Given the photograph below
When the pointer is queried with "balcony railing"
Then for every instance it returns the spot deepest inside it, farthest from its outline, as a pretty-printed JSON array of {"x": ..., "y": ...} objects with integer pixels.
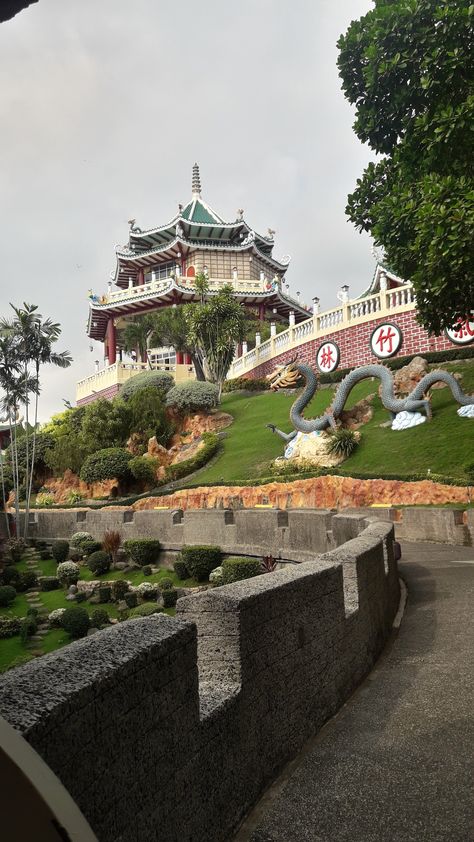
[
  {"x": 385, "y": 303},
  {"x": 118, "y": 373}
]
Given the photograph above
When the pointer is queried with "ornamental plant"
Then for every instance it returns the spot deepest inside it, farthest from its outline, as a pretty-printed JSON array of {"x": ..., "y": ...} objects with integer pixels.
[
  {"x": 146, "y": 590},
  {"x": 111, "y": 541},
  {"x": 342, "y": 442},
  {"x": 170, "y": 598},
  {"x": 160, "y": 380},
  {"x": 236, "y": 569},
  {"x": 60, "y": 551},
  {"x": 193, "y": 397},
  {"x": 200, "y": 560},
  {"x": 99, "y": 562},
  {"x": 79, "y": 538},
  {"x": 142, "y": 550},
  {"x": 7, "y": 595},
  {"x": 68, "y": 573},
  {"x": 55, "y": 617},
  {"x": 99, "y": 618},
  {"x": 75, "y": 621},
  {"x": 111, "y": 463}
]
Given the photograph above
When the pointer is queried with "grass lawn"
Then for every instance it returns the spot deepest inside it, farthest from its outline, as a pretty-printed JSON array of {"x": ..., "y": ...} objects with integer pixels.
[
  {"x": 444, "y": 445},
  {"x": 13, "y": 653},
  {"x": 137, "y": 576}
]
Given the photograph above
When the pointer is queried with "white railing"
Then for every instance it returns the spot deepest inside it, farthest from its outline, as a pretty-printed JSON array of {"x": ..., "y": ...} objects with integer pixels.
[
  {"x": 118, "y": 373},
  {"x": 385, "y": 303},
  {"x": 161, "y": 285}
]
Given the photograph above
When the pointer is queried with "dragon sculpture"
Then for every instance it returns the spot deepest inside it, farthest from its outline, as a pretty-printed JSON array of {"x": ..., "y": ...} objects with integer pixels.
[{"x": 415, "y": 402}]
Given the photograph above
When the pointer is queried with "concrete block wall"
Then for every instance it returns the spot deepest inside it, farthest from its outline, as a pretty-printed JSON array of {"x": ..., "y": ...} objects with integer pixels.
[{"x": 148, "y": 751}]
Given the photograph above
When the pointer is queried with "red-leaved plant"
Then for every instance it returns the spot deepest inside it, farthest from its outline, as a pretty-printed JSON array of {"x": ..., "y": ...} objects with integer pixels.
[
  {"x": 111, "y": 543},
  {"x": 268, "y": 564}
]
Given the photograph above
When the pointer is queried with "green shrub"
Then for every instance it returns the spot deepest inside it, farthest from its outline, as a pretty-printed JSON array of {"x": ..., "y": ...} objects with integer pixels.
[
  {"x": 45, "y": 555},
  {"x": 105, "y": 593},
  {"x": 149, "y": 417},
  {"x": 194, "y": 396},
  {"x": 145, "y": 610},
  {"x": 79, "y": 538},
  {"x": 74, "y": 497},
  {"x": 28, "y": 580},
  {"x": 147, "y": 590},
  {"x": 44, "y": 500},
  {"x": 143, "y": 468},
  {"x": 259, "y": 384},
  {"x": 68, "y": 573},
  {"x": 99, "y": 562},
  {"x": 201, "y": 458},
  {"x": 75, "y": 621},
  {"x": 48, "y": 583},
  {"x": 160, "y": 380},
  {"x": 9, "y": 626},
  {"x": 90, "y": 547},
  {"x": 111, "y": 463},
  {"x": 343, "y": 442},
  {"x": 16, "y": 548},
  {"x": 166, "y": 584},
  {"x": 170, "y": 598},
  {"x": 216, "y": 577},
  {"x": 29, "y": 626},
  {"x": 200, "y": 560},
  {"x": 142, "y": 550},
  {"x": 147, "y": 571},
  {"x": 180, "y": 568},
  {"x": 131, "y": 599},
  {"x": 60, "y": 551},
  {"x": 11, "y": 576},
  {"x": 236, "y": 569},
  {"x": 81, "y": 596},
  {"x": 119, "y": 589},
  {"x": 99, "y": 618},
  {"x": 7, "y": 595}
]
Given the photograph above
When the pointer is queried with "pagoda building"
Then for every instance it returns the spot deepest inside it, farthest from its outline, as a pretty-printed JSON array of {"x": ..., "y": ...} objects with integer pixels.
[{"x": 158, "y": 267}]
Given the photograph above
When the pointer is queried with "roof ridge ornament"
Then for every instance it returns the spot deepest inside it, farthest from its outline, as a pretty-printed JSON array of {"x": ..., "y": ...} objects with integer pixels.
[{"x": 196, "y": 182}]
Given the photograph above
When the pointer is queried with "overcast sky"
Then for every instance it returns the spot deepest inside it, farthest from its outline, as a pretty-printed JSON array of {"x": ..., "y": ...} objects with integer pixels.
[{"x": 106, "y": 104}]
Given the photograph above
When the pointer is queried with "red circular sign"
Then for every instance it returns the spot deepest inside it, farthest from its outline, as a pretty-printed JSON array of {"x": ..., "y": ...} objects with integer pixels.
[
  {"x": 386, "y": 340},
  {"x": 327, "y": 357},
  {"x": 462, "y": 333}
]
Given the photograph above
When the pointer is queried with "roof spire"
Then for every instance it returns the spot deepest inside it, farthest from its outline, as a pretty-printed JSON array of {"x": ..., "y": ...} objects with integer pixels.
[{"x": 196, "y": 183}]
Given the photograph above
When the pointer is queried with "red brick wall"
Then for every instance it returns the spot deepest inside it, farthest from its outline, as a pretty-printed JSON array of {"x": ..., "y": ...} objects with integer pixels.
[
  {"x": 110, "y": 392},
  {"x": 354, "y": 344}
]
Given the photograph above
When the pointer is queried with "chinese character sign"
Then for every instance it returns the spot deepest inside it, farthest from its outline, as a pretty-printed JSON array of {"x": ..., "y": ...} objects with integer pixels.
[
  {"x": 462, "y": 333},
  {"x": 327, "y": 357},
  {"x": 386, "y": 340}
]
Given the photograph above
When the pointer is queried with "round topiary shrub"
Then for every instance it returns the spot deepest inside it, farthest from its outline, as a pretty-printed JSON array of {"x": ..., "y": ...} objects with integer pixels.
[
  {"x": 110, "y": 463},
  {"x": 147, "y": 590},
  {"x": 90, "y": 547},
  {"x": 55, "y": 617},
  {"x": 75, "y": 621},
  {"x": 160, "y": 380},
  {"x": 79, "y": 538},
  {"x": 68, "y": 573},
  {"x": 195, "y": 396},
  {"x": 99, "y": 618},
  {"x": 131, "y": 599},
  {"x": 48, "y": 583},
  {"x": 166, "y": 584},
  {"x": 170, "y": 598},
  {"x": 200, "y": 560},
  {"x": 105, "y": 593},
  {"x": 60, "y": 551},
  {"x": 7, "y": 595},
  {"x": 28, "y": 580},
  {"x": 99, "y": 562},
  {"x": 144, "y": 468},
  {"x": 142, "y": 550},
  {"x": 236, "y": 569},
  {"x": 11, "y": 576},
  {"x": 180, "y": 568}
]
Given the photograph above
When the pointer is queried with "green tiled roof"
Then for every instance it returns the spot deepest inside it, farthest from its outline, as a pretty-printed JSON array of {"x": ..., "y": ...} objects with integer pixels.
[{"x": 196, "y": 211}]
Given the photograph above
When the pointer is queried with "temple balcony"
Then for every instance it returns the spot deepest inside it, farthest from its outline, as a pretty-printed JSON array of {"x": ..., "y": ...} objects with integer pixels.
[
  {"x": 107, "y": 381},
  {"x": 383, "y": 304}
]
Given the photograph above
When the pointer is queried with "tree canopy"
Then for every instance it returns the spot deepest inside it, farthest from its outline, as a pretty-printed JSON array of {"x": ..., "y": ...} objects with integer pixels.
[{"x": 408, "y": 67}]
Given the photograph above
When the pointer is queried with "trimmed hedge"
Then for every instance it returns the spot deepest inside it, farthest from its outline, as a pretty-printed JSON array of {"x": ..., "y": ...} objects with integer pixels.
[
  {"x": 7, "y": 595},
  {"x": 99, "y": 618},
  {"x": 89, "y": 547},
  {"x": 201, "y": 458},
  {"x": 110, "y": 463},
  {"x": 48, "y": 583},
  {"x": 170, "y": 598},
  {"x": 145, "y": 610},
  {"x": 144, "y": 468},
  {"x": 99, "y": 562},
  {"x": 28, "y": 580},
  {"x": 201, "y": 559},
  {"x": 258, "y": 384},
  {"x": 10, "y": 626},
  {"x": 179, "y": 566},
  {"x": 60, "y": 551},
  {"x": 194, "y": 396},
  {"x": 75, "y": 621},
  {"x": 235, "y": 569},
  {"x": 119, "y": 589},
  {"x": 142, "y": 550},
  {"x": 160, "y": 380}
]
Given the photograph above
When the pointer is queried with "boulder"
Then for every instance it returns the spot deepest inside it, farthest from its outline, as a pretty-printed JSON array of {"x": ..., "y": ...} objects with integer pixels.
[
  {"x": 361, "y": 413},
  {"x": 406, "y": 378},
  {"x": 312, "y": 449}
]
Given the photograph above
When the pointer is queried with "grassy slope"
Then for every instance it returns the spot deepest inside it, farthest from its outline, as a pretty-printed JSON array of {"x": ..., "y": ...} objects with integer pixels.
[{"x": 444, "y": 445}]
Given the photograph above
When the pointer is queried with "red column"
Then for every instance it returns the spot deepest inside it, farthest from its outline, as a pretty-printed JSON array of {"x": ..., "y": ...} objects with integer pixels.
[
  {"x": 187, "y": 359},
  {"x": 179, "y": 357},
  {"x": 141, "y": 277},
  {"x": 239, "y": 349},
  {"x": 111, "y": 342},
  {"x": 261, "y": 311}
]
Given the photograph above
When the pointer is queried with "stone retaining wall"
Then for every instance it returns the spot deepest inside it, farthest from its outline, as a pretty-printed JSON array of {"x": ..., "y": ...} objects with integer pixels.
[{"x": 170, "y": 728}]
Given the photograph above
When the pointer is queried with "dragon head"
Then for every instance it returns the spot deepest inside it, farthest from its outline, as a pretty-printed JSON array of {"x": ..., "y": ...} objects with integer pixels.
[{"x": 285, "y": 376}]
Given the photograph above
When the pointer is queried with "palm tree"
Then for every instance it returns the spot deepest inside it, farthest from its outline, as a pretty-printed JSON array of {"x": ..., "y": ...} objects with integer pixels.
[
  {"x": 136, "y": 335},
  {"x": 171, "y": 327},
  {"x": 9, "y": 367}
]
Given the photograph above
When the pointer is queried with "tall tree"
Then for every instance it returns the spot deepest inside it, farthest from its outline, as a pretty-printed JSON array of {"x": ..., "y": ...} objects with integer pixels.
[
  {"x": 408, "y": 68},
  {"x": 214, "y": 329},
  {"x": 171, "y": 327}
]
